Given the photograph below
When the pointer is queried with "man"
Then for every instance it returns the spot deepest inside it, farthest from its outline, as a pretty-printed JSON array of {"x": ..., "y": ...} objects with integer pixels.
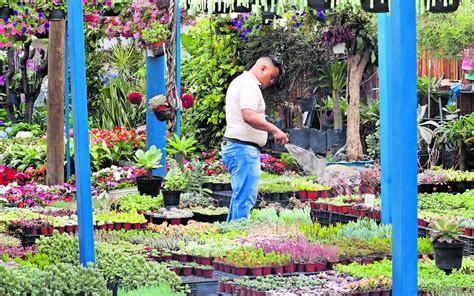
[{"x": 246, "y": 132}]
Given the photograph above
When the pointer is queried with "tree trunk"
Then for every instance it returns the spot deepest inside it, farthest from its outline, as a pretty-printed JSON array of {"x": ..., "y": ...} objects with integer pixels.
[
  {"x": 55, "y": 122},
  {"x": 356, "y": 66},
  {"x": 336, "y": 109}
]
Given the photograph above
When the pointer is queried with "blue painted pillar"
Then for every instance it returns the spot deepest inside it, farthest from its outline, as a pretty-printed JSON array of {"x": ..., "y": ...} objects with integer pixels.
[
  {"x": 81, "y": 132},
  {"x": 403, "y": 160},
  {"x": 155, "y": 129},
  {"x": 384, "y": 24},
  {"x": 66, "y": 104},
  {"x": 178, "y": 66}
]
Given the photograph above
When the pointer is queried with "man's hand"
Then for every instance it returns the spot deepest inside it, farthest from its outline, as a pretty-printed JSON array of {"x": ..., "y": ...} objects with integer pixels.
[{"x": 280, "y": 137}]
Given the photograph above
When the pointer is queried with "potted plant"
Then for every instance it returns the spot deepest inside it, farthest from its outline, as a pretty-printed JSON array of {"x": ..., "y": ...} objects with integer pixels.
[
  {"x": 55, "y": 10},
  {"x": 447, "y": 247},
  {"x": 155, "y": 37},
  {"x": 376, "y": 6},
  {"x": 162, "y": 107},
  {"x": 442, "y": 6},
  {"x": 113, "y": 7},
  {"x": 182, "y": 147},
  {"x": 175, "y": 183},
  {"x": 149, "y": 160}
]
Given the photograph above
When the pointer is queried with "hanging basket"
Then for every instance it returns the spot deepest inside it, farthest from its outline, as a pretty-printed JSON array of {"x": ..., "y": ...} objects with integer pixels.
[
  {"x": 156, "y": 49},
  {"x": 5, "y": 12},
  {"x": 164, "y": 115},
  {"x": 379, "y": 6},
  {"x": 56, "y": 15},
  {"x": 321, "y": 4},
  {"x": 219, "y": 9},
  {"x": 438, "y": 6}
]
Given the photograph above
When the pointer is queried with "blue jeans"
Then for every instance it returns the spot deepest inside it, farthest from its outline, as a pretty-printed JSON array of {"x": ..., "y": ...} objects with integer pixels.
[{"x": 243, "y": 164}]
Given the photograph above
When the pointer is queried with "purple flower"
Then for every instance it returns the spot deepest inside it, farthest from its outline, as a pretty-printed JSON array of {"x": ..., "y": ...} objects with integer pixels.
[
  {"x": 40, "y": 15},
  {"x": 2, "y": 80}
]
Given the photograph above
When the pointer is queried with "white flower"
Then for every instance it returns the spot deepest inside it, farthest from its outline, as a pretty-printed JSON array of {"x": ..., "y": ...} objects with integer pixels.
[
  {"x": 24, "y": 135},
  {"x": 117, "y": 176}
]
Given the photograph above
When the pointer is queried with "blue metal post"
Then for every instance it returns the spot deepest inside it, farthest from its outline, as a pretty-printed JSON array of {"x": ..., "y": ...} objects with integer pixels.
[
  {"x": 66, "y": 104},
  {"x": 385, "y": 67},
  {"x": 404, "y": 149},
  {"x": 81, "y": 132},
  {"x": 178, "y": 66},
  {"x": 155, "y": 129}
]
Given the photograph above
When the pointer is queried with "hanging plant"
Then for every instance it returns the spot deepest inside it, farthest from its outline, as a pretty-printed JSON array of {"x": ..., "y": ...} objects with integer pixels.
[
  {"x": 376, "y": 6},
  {"x": 442, "y": 6},
  {"x": 162, "y": 107},
  {"x": 322, "y": 4}
]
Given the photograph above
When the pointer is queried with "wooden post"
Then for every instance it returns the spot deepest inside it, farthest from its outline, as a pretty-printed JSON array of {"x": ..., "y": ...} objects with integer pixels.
[{"x": 55, "y": 122}]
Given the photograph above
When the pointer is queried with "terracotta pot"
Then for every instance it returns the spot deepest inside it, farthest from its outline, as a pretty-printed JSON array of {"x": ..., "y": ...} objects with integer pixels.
[
  {"x": 266, "y": 270},
  {"x": 61, "y": 229},
  {"x": 44, "y": 230},
  {"x": 206, "y": 261},
  {"x": 186, "y": 270},
  {"x": 256, "y": 271},
  {"x": 137, "y": 226},
  {"x": 312, "y": 205},
  {"x": 277, "y": 269},
  {"x": 197, "y": 271},
  {"x": 227, "y": 288},
  {"x": 300, "y": 267},
  {"x": 198, "y": 259},
  {"x": 422, "y": 222},
  {"x": 215, "y": 264},
  {"x": 208, "y": 273},
  {"x": 175, "y": 221},
  {"x": 302, "y": 195},
  {"x": 241, "y": 271},
  {"x": 323, "y": 207},
  {"x": 110, "y": 226},
  {"x": 176, "y": 270},
  {"x": 467, "y": 231},
  {"x": 127, "y": 226},
  {"x": 166, "y": 258},
  {"x": 320, "y": 266},
  {"x": 363, "y": 213},
  {"x": 344, "y": 209},
  {"x": 51, "y": 229},
  {"x": 227, "y": 268},
  {"x": 76, "y": 228},
  {"x": 289, "y": 268},
  {"x": 386, "y": 292},
  {"x": 221, "y": 287},
  {"x": 330, "y": 208},
  {"x": 311, "y": 195},
  {"x": 324, "y": 194},
  {"x": 375, "y": 293},
  {"x": 310, "y": 267},
  {"x": 70, "y": 228},
  {"x": 117, "y": 226}
]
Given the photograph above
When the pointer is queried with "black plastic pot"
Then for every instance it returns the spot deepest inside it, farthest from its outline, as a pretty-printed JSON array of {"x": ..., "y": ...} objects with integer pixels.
[
  {"x": 425, "y": 188},
  {"x": 163, "y": 115},
  {"x": 317, "y": 141},
  {"x": 5, "y": 12},
  {"x": 319, "y": 4},
  {"x": 149, "y": 185},
  {"x": 448, "y": 256},
  {"x": 378, "y": 6},
  {"x": 171, "y": 198},
  {"x": 299, "y": 137},
  {"x": 113, "y": 288},
  {"x": 42, "y": 35},
  {"x": 336, "y": 138},
  {"x": 56, "y": 15},
  {"x": 440, "y": 8}
]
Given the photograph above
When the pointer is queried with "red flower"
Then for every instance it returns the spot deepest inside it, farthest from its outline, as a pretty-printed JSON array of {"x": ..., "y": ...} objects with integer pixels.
[
  {"x": 231, "y": 28},
  {"x": 162, "y": 108},
  {"x": 188, "y": 101},
  {"x": 135, "y": 98}
]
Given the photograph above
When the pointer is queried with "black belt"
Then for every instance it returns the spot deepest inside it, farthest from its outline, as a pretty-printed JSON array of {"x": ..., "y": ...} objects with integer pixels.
[{"x": 237, "y": 141}]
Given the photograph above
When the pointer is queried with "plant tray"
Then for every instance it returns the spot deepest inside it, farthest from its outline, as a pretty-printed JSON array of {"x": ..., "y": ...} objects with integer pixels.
[{"x": 209, "y": 218}]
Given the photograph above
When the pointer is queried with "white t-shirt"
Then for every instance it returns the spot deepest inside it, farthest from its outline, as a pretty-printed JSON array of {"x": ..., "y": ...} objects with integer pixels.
[{"x": 244, "y": 93}]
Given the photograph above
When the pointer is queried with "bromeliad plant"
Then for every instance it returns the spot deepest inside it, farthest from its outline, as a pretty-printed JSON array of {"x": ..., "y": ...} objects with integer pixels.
[{"x": 445, "y": 231}]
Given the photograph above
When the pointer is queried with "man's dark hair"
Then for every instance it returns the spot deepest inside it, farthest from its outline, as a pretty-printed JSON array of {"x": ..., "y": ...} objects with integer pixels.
[{"x": 275, "y": 62}]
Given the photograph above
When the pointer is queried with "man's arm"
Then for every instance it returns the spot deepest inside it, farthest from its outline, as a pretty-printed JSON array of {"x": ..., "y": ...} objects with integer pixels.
[{"x": 256, "y": 121}]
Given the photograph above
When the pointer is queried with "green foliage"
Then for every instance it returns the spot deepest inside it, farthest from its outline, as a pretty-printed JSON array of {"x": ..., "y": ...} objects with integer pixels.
[
  {"x": 288, "y": 217},
  {"x": 57, "y": 279},
  {"x": 148, "y": 160},
  {"x": 162, "y": 289},
  {"x": 141, "y": 203},
  {"x": 38, "y": 260},
  {"x": 21, "y": 155},
  {"x": 182, "y": 147},
  {"x": 289, "y": 161},
  {"x": 157, "y": 32},
  {"x": 206, "y": 73},
  {"x": 366, "y": 229},
  {"x": 445, "y": 231},
  {"x": 35, "y": 129},
  {"x": 445, "y": 34},
  {"x": 175, "y": 179}
]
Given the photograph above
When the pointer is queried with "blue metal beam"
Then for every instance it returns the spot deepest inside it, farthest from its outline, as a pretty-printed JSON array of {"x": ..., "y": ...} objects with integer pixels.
[
  {"x": 178, "y": 66},
  {"x": 81, "y": 132},
  {"x": 384, "y": 24},
  {"x": 66, "y": 105},
  {"x": 155, "y": 129},
  {"x": 403, "y": 160}
]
